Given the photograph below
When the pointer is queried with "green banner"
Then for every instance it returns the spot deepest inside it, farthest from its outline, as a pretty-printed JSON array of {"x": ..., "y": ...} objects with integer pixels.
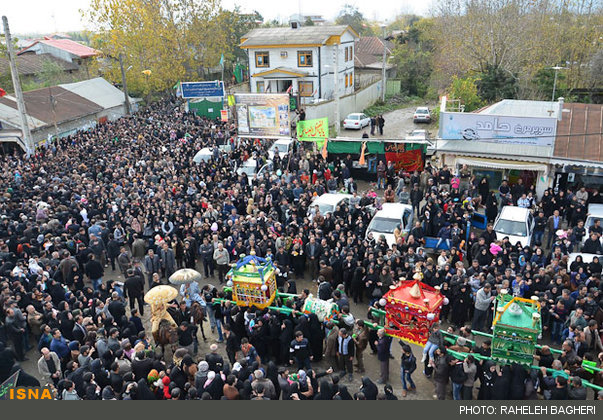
[
  {"x": 11, "y": 382},
  {"x": 313, "y": 130}
]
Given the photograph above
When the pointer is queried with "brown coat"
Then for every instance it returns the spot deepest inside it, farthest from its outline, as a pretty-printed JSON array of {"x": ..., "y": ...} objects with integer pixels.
[{"x": 331, "y": 343}]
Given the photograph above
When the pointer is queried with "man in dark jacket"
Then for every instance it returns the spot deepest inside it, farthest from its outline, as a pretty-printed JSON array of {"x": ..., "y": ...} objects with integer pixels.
[
  {"x": 458, "y": 378},
  {"x": 408, "y": 364},
  {"x": 300, "y": 351},
  {"x": 152, "y": 265},
  {"x": 134, "y": 290},
  {"x": 95, "y": 271},
  {"x": 117, "y": 309},
  {"x": 383, "y": 342},
  {"x": 207, "y": 256}
]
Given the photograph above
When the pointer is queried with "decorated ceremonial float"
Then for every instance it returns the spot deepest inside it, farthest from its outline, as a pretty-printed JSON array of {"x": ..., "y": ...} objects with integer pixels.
[
  {"x": 411, "y": 309},
  {"x": 253, "y": 282},
  {"x": 516, "y": 327}
]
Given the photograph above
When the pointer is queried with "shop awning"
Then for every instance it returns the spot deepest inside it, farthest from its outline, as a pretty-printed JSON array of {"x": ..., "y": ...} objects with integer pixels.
[{"x": 501, "y": 164}]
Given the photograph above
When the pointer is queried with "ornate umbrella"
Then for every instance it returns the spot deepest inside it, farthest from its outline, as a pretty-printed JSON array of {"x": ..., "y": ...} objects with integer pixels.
[
  {"x": 184, "y": 276},
  {"x": 160, "y": 294}
]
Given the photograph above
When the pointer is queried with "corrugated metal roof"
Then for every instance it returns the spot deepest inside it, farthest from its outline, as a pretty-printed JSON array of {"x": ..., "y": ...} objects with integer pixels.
[
  {"x": 67, "y": 105},
  {"x": 571, "y": 141},
  {"x": 369, "y": 50},
  {"x": 72, "y": 47},
  {"x": 98, "y": 91},
  {"x": 493, "y": 150},
  {"x": 285, "y": 36},
  {"x": 31, "y": 63},
  {"x": 518, "y": 108},
  {"x": 10, "y": 115}
]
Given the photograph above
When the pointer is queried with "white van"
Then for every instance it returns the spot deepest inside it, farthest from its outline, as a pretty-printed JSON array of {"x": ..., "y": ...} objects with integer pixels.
[
  {"x": 595, "y": 212},
  {"x": 327, "y": 203},
  {"x": 390, "y": 217},
  {"x": 517, "y": 223},
  {"x": 282, "y": 147}
]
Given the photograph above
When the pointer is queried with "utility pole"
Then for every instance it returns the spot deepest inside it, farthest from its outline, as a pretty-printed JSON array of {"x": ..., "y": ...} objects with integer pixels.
[
  {"x": 336, "y": 87},
  {"x": 124, "y": 84},
  {"x": 383, "y": 69},
  {"x": 556, "y": 68},
  {"x": 18, "y": 92}
]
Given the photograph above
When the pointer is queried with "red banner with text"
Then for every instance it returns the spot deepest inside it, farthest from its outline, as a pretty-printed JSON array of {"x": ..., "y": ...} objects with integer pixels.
[{"x": 411, "y": 160}]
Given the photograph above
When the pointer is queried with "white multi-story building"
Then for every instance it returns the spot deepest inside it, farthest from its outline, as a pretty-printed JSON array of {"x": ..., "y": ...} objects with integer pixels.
[{"x": 301, "y": 60}]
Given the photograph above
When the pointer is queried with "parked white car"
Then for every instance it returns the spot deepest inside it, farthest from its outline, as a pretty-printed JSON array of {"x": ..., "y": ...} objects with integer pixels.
[
  {"x": 356, "y": 121},
  {"x": 390, "y": 217},
  {"x": 249, "y": 167},
  {"x": 422, "y": 115},
  {"x": 282, "y": 147},
  {"x": 327, "y": 203},
  {"x": 517, "y": 223},
  {"x": 595, "y": 212}
]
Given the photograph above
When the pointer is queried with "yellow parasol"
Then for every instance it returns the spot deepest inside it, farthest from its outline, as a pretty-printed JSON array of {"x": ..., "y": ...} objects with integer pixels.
[
  {"x": 184, "y": 276},
  {"x": 160, "y": 294}
]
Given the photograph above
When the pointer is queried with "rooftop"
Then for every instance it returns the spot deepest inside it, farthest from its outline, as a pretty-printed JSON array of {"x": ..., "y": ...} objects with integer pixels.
[
  {"x": 579, "y": 133},
  {"x": 72, "y": 47},
  {"x": 518, "y": 108},
  {"x": 31, "y": 63},
  {"x": 369, "y": 50},
  {"x": 305, "y": 35}
]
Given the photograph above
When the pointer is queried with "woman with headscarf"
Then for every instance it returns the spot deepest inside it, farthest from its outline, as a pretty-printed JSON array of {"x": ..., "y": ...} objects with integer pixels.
[
  {"x": 517, "y": 385},
  {"x": 201, "y": 375},
  {"x": 484, "y": 189},
  {"x": 491, "y": 207},
  {"x": 369, "y": 389},
  {"x": 144, "y": 391},
  {"x": 272, "y": 375},
  {"x": 214, "y": 385},
  {"x": 325, "y": 392},
  {"x": 487, "y": 380},
  {"x": 101, "y": 376},
  {"x": 500, "y": 390},
  {"x": 317, "y": 336},
  {"x": 460, "y": 306},
  {"x": 285, "y": 339},
  {"x": 246, "y": 391},
  {"x": 343, "y": 393}
]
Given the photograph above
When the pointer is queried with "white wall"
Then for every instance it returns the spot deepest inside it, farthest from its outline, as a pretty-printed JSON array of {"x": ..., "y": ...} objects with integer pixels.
[
  {"x": 327, "y": 62},
  {"x": 355, "y": 102}
]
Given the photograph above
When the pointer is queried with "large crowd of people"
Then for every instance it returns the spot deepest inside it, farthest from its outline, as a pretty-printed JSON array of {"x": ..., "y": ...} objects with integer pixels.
[{"x": 95, "y": 220}]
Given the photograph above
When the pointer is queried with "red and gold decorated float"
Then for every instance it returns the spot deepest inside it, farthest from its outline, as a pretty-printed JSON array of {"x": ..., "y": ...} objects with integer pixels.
[{"x": 411, "y": 309}]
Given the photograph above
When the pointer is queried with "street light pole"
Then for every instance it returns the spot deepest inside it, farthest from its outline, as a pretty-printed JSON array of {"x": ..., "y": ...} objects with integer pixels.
[
  {"x": 383, "y": 69},
  {"x": 556, "y": 68}
]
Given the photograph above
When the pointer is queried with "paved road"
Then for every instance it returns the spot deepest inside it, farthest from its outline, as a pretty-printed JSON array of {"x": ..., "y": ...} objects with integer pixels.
[{"x": 398, "y": 124}]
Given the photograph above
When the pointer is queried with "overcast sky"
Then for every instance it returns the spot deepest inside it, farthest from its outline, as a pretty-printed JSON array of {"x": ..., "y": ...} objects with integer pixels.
[{"x": 47, "y": 16}]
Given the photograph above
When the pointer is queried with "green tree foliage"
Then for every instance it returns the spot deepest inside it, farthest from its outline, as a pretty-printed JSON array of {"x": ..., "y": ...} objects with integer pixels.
[
  {"x": 495, "y": 84},
  {"x": 351, "y": 16},
  {"x": 413, "y": 57},
  {"x": 544, "y": 81},
  {"x": 465, "y": 89},
  {"x": 174, "y": 39}
]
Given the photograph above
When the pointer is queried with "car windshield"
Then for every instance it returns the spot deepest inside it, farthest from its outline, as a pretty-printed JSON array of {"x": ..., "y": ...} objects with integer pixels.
[
  {"x": 282, "y": 148},
  {"x": 509, "y": 227},
  {"x": 421, "y": 111},
  {"x": 354, "y": 117},
  {"x": 248, "y": 169},
  {"x": 384, "y": 225},
  {"x": 325, "y": 208}
]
